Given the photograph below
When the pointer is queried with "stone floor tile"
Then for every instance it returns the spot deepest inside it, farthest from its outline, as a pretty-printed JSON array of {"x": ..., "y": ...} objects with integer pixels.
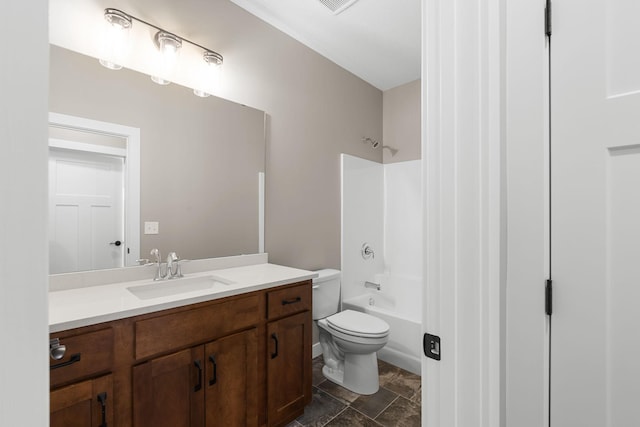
[
  {"x": 417, "y": 397},
  {"x": 339, "y": 392},
  {"x": 386, "y": 372},
  {"x": 322, "y": 408},
  {"x": 373, "y": 404},
  {"x": 405, "y": 383},
  {"x": 401, "y": 413},
  {"x": 352, "y": 418}
]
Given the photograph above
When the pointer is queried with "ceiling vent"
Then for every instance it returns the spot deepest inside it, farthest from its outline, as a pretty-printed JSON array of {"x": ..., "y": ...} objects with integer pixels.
[{"x": 337, "y": 6}]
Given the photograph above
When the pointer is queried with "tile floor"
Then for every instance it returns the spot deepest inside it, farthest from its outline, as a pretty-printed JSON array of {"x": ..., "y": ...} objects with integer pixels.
[{"x": 396, "y": 404}]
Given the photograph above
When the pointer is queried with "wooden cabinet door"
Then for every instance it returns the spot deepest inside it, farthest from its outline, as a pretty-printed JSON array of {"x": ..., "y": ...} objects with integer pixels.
[
  {"x": 84, "y": 404},
  {"x": 169, "y": 391},
  {"x": 288, "y": 367},
  {"x": 231, "y": 381}
]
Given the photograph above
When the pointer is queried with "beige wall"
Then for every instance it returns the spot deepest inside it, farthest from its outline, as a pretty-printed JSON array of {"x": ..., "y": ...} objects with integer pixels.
[
  {"x": 401, "y": 123},
  {"x": 316, "y": 110},
  {"x": 200, "y": 157}
]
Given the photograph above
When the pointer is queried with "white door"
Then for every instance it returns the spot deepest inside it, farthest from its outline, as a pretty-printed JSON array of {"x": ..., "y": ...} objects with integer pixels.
[
  {"x": 86, "y": 212},
  {"x": 595, "y": 244}
]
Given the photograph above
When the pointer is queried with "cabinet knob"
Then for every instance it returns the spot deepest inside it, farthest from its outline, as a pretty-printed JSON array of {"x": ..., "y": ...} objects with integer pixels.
[{"x": 56, "y": 350}]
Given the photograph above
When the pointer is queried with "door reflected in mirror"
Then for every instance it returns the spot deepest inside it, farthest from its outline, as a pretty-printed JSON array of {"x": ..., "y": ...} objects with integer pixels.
[{"x": 94, "y": 194}]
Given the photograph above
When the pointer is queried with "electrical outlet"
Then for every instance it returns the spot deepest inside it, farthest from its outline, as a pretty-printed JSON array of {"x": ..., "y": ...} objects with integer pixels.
[{"x": 151, "y": 227}]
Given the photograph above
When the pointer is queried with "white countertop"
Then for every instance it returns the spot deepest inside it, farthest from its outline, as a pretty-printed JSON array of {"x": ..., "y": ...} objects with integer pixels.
[{"x": 74, "y": 308}]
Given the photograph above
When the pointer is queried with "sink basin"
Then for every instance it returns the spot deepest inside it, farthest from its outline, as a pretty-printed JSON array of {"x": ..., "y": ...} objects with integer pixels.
[{"x": 176, "y": 286}]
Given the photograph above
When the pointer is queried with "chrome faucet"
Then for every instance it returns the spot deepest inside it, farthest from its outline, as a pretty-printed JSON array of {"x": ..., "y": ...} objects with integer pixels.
[
  {"x": 173, "y": 266},
  {"x": 159, "y": 275},
  {"x": 372, "y": 285}
]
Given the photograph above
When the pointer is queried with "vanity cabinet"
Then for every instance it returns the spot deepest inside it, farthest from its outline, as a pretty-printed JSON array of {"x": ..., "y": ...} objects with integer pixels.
[
  {"x": 242, "y": 360},
  {"x": 86, "y": 355},
  {"x": 207, "y": 385},
  {"x": 76, "y": 400},
  {"x": 84, "y": 404},
  {"x": 288, "y": 353}
]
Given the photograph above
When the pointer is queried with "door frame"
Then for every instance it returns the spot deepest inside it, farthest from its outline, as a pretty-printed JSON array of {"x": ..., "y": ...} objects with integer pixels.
[
  {"x": 131, "y": 155},
  {"x": 465, "y": 215},
  {"x": 513, "y": 60}
]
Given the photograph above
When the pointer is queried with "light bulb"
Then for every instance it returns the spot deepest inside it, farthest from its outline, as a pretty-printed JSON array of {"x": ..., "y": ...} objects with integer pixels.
[
  {"x": 209, "y": 73},
  {"x": 115, "y": 39},
  {"x": 169, "y": 49}
]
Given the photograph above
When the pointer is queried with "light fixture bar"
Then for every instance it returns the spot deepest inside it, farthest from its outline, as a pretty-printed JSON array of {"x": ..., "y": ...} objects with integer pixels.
[{"x": 118, "y": 12}]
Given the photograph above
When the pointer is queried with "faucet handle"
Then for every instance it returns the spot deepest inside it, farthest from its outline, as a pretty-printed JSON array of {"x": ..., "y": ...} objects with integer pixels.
[
  {"x": 143, "y": 261},
  {"x": 156, "y": 253},
  {"x": 367, "y": 251},
  {"x": 173, "y": 260}
]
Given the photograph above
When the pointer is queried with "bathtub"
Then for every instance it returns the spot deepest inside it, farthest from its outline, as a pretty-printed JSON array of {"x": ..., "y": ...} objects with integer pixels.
[{"x": 404, "y": 318}]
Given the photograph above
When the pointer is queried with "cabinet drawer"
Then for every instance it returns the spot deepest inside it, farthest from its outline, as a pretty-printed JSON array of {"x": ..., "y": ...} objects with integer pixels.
[
  {"x": 289, "y": 300},
  {"x": 174, "y": 331},
  {"x": 86, "y": 355}
]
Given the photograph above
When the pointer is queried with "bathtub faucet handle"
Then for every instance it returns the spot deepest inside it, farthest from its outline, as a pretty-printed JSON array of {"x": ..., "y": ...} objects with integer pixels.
[
  {"x": 372, "y": 285},
  {"x": 367, "y": 251}
]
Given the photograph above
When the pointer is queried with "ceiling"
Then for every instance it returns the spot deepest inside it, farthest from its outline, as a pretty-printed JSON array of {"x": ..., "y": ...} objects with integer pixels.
[{"x": 377, "y": 40}]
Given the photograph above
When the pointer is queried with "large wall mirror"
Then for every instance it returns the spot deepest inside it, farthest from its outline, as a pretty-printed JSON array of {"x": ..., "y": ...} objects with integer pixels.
[{"x": 202, "y": 160}]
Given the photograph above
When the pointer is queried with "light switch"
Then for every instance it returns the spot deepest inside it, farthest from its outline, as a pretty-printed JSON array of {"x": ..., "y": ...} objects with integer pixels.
[{"x": 151, "y": 227}]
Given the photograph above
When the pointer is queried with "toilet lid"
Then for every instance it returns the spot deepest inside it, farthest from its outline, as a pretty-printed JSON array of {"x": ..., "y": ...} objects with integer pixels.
[{"x": 357, "y": 323}]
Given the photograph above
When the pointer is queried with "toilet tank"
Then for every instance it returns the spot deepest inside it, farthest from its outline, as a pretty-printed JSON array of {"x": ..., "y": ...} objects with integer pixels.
[{"x": 326, "y": 293}]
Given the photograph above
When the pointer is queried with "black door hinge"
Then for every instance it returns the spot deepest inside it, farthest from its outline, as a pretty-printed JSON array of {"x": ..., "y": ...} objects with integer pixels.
[
  {"x": 431, "y": 346},
  {"x": 548, "y": 297},
  {"x": 547, "y": 19}
]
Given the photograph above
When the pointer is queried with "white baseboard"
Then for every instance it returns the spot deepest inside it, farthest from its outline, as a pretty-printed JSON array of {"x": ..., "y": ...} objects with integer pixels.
[{"x": 316, "y": 350}]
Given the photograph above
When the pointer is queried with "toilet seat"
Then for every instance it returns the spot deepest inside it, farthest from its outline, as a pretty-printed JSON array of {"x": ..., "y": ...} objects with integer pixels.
[{"x": 358, "y": 324}]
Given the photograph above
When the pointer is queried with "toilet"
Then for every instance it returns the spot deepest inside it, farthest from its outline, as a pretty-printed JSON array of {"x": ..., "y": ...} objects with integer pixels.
[{"x": 349, "y": 339}]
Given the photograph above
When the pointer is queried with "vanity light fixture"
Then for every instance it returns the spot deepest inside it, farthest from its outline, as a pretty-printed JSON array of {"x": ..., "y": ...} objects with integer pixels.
[
  {"x": 117, "y": 26},
  {"x": 209, "y": 72},
  {"x": 168, "y": 45}
]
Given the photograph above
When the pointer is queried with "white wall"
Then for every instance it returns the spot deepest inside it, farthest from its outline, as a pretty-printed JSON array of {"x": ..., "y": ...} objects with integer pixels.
[
  {"x": 403, "y": 219},
  {"x": 362, "y": 221},
  {"x": 24, "y": 370}
]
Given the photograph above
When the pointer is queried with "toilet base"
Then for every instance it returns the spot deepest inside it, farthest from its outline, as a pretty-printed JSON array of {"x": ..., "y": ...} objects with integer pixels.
[{"x": 359, "y": 373}]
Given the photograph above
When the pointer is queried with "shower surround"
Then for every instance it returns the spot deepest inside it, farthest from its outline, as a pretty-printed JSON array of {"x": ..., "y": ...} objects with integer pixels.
[{"x": 381, "y": 206}]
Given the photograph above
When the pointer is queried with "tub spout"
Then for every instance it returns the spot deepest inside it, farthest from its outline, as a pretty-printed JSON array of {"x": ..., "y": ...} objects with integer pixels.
[{"x": 372, "y": 285}]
